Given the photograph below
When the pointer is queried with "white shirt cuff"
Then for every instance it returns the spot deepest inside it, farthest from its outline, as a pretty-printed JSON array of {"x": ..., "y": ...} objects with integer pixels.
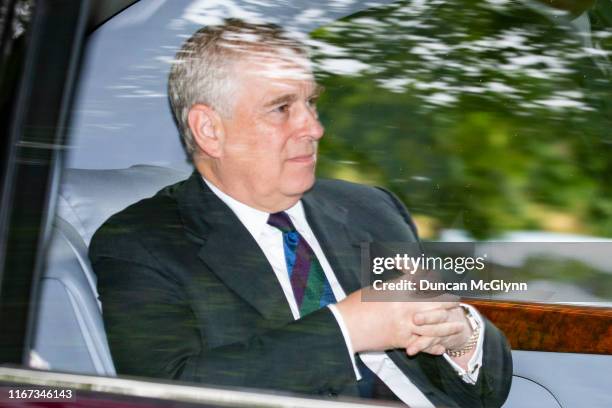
[
  {"x": 347, "y": 339},
  {"x": 471, "y": 375}
]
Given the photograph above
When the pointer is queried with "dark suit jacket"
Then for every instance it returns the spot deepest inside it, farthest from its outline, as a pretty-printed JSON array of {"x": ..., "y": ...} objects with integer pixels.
[{"x": 188, "y": 294}]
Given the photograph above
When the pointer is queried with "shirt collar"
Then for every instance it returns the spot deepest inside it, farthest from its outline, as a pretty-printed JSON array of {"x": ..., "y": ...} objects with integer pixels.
[{"x": 253, "y": 219}]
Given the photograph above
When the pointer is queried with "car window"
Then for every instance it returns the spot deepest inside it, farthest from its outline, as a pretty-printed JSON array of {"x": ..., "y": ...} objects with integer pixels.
[{"x": 489, "y": 120}]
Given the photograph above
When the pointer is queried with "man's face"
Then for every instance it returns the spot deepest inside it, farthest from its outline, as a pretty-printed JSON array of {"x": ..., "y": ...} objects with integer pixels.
[{"x": 270, "y": 142}]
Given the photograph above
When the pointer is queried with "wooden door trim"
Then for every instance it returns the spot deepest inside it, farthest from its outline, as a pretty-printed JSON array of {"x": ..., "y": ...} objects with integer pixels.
[{"x": 551, "y": 327}]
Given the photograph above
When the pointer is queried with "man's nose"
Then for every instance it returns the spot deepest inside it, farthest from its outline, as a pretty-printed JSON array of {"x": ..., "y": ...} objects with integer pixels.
[{"x": 309, "y": 124}]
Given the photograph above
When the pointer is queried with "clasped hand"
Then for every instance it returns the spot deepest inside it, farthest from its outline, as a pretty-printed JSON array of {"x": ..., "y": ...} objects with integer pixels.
[
  {"x": 437, "y": 330},
  {"x": 416, "y": 326}
]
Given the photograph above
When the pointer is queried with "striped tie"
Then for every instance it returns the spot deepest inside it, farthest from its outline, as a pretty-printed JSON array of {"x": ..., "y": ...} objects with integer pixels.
[
  {"x": 312, "y": 291},
  {"x": 311, "y": 288}
]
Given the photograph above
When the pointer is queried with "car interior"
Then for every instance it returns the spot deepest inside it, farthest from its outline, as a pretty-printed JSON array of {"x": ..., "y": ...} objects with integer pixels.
[
  {"x": 100, "y": 178},
  {"x": 70, "y": 335}
]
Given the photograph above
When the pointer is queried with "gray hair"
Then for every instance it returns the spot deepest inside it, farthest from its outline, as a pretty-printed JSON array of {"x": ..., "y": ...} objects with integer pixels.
[{"x": 203, "y": 69}]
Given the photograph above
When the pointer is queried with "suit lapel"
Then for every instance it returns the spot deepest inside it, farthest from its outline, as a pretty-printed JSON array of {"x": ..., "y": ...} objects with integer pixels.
[
  {"x": 232, "y": 254},
  {"x": 340, "y": 244},
  {"x": 230, "y": 251}
]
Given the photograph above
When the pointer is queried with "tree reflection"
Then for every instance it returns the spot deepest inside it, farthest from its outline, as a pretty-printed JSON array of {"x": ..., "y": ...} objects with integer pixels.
[{"x": 484, "y": 115}]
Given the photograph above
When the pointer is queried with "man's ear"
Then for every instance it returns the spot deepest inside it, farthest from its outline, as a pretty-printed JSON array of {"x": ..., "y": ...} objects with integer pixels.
[{"x": 207, "y": 129}]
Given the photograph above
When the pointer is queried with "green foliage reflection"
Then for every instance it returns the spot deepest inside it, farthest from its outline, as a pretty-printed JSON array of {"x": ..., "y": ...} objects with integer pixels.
[{"x": 482, "y": 115}]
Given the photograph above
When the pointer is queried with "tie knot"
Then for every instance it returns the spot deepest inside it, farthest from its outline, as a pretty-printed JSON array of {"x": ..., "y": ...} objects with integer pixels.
[{"x": 281, "y": 221}]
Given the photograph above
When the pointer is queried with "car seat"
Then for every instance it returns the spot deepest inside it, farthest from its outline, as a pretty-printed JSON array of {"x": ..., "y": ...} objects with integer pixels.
[{"x": 69, "y": 333}]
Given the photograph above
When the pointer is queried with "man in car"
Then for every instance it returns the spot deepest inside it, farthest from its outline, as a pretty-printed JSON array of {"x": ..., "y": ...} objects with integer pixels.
[{"x": 247, "y": 273}]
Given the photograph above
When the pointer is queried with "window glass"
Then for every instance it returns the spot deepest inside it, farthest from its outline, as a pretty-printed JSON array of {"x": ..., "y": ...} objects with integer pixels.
[{"x": 489, "y": 119}]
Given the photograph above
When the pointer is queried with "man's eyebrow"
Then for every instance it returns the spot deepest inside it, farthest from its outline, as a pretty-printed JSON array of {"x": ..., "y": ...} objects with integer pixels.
[{"x": 289, "y": 98}]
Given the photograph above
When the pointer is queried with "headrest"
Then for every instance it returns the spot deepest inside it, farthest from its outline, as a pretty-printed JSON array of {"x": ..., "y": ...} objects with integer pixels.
[{"x": 87, "y": 198}]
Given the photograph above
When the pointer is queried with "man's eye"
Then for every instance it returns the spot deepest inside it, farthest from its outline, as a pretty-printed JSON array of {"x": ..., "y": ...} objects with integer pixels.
[
  {"x": 282, "y": 109},
  {"x": 313, "y": 102}
]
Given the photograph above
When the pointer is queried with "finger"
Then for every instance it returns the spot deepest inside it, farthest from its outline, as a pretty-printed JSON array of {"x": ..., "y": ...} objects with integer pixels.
[
  {"x": 449, "y": 304},
  {"x": 453, "y": 342},
  {"x": 446, "y": 298},
  {"x": 425, "y": 306},
  {"x": 457, "y": 315},
  {"x": 444, "y": 343},
  {"x": 439, "y": 330},
  {"x": 430, "y": 317},
  {"x": 438, "y": 350},
  {"x": 420, "y": 344}
]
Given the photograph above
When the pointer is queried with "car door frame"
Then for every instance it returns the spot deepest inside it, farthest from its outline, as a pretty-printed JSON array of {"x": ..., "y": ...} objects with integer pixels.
[{"x": 36, "y": 121}]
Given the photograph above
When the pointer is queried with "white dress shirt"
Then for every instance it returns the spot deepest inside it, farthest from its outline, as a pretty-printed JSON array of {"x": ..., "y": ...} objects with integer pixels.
[{"x": 270, "y": 240}]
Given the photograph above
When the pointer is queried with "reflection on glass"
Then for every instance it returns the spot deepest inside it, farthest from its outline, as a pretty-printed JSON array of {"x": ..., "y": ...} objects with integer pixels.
[
  {"x": 483, "y": 116},
  {"x": 490, "y": 119}
]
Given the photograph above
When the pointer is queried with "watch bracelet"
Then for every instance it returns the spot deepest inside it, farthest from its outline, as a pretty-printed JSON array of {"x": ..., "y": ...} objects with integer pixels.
[{"x": 467, "y": 347}]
